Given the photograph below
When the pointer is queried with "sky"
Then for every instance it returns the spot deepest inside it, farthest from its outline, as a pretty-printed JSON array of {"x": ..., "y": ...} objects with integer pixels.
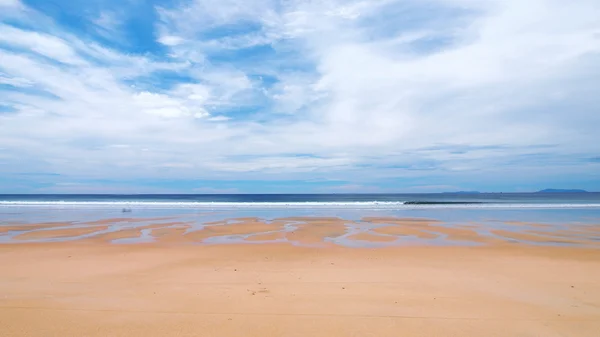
[{"x": 298, "y": 96}]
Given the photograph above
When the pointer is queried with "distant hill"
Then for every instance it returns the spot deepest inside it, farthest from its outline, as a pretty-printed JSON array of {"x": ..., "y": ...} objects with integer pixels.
[{"x": 554, "y": 190}]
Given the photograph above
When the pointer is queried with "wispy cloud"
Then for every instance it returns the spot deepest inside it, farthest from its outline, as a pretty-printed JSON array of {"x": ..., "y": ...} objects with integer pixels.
[
  {"x": 430, "y": 93},
  {"x": 10, "y": 3},
  {"x": 109, "y": 24}
]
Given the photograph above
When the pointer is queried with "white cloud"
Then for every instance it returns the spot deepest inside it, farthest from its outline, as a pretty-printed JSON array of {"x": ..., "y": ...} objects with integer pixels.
[
  {"x": 294, "y": 92},
  {"x": 276, "y": 164},
  {"x": 219, "y": 119},
  {"x": 356, "y": 86},
  {"x": 43, "y": 44},
  {"x": 108, "y": 20},
  {"x": 167, "y": 106},
  {"x": 170, "y": 40},
  {"x": 211, "y": 190},
  {"x": 10, "y": 3},
  {"x": 15, "y": 81},
  {"x": 109, "y": 25}
]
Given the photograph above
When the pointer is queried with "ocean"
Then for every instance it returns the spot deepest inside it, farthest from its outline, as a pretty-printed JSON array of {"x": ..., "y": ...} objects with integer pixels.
[{"x": 350, "y": 201}]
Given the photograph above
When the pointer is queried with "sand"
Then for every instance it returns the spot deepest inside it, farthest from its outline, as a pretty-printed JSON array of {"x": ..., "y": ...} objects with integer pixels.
[
  {"x": 123, "y": 233},
  {"x": 540, "y": 237},
  {"x": 31, "y": 227},
  {"x": 511, "y": 284},
  {"x": 59, "y": 233},
  {"x": 267, "y": 237},
  {"x": 309, "y": 231},
  {"x": 98, "y": 289},
  {"x": 406, "y": 231},
  {"x": 245, "y": 226},
  {"x": 314, "y": 230},
  {"x": 369, "y": 237}
]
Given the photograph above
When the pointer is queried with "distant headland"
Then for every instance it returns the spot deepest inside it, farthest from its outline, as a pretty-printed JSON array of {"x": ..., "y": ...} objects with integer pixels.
[{"x": 548, "y": 190}]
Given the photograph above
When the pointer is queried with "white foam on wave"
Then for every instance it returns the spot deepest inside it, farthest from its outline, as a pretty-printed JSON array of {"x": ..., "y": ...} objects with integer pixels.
[{"x": 308, "y": 204}]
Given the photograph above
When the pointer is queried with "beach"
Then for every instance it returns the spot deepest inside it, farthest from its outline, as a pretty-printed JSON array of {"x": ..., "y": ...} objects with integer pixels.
[
  {"x": 283, "y": 168},
  {"x": 293, "y": 276}
]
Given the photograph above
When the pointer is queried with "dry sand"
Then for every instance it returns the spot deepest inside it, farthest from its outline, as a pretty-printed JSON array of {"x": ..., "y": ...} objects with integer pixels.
[{"x": 98, "y": 289}]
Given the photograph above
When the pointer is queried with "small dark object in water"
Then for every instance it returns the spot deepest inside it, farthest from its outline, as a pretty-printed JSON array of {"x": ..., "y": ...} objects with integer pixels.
[{"x": 126, "y": 210}]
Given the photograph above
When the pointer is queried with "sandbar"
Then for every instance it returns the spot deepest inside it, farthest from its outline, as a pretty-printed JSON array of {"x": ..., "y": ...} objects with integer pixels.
[
  {"x": 34, "y": 226},
  {"x": 405, "y": 231},
  {"x": 59, "y": 233},
  {"x": 123, "y": 233},
  {"x": 371, "y": 237},
  {"x": 267, "y": 237},
  {"x": 246, "y": 226},
  {"x": 316, "y": 230},
  {"x": 541, "y": 237}
]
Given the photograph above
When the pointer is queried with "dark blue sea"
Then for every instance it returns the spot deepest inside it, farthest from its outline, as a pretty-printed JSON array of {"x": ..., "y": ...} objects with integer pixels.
[
  {"x": 451, "y": 206},
  {"x": 391, "y": 201}
]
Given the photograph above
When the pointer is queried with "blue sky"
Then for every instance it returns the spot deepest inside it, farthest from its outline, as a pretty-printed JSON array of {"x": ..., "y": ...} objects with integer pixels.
[{"x": 197, "y": 96}]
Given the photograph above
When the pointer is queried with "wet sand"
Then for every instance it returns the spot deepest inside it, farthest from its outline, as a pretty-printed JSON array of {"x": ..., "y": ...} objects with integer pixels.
[
  {"x": 304, "y": 231},
  {"x": 240, "y": 227},
  {"x": 98, "y": 289},
  {"x": 59, "y": 233},
  {"x": 406, "y": 231},
  {"x": 541, "y": 237},
  {"x": 30, "y": 227},
  {"x": 316, "y": 231},
  {"x": 122, "y": 233},
  {"x": 267, "y": 237},
  {"x": 371, "y": 237}
]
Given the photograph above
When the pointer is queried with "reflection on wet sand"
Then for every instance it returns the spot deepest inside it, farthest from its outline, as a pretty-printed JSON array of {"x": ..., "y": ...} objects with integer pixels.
[
  {"x": 304, "y": 231},
  {"x": 29, "y": 227},
  {"x": 122, "y": 232},
  {"x": 541, "y": 237},
  {"x": 59, "y": 233},
  {"x": 315, "y": 231},
  {"x": 240, "y": 226},
  {"x": 269, "y": 237},
  {"x": 399, "y": 230}
]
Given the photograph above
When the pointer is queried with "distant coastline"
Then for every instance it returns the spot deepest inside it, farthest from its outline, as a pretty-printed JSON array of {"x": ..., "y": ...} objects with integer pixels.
[{"x": 547, "y": 190}]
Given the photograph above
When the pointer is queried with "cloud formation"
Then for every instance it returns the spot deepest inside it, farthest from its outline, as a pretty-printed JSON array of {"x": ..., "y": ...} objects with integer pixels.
[{"x": 400, "y": 94}]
